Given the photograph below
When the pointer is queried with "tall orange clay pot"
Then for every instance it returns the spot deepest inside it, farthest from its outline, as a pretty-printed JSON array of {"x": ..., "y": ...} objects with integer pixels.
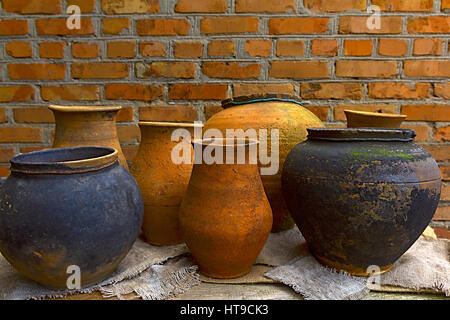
[
  {"x": 87, "y": 126},
  {"x": 281, "y": 112},
  {"x": 225, "y": 217},
  {"x": 162, "y": 181}
]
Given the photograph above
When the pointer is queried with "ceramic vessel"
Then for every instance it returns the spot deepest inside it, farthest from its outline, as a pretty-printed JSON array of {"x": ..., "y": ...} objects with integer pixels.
[
  {"x": 163, "y": 181},
  {"x": 85, "y": 126},
  {"x": 360, "y": 197},
  {"x": 363, "y": 119},
  {"x": 225, "y": 217},
  {"x": 68, "y": 207},
  {"x": 268, "y": 112}
]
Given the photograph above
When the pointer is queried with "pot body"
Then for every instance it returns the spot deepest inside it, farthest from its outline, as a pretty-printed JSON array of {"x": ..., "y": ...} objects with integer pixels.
[
  {"x": 87, "y": 126},
  {"x": 62, "y": 216},
  {"x": 359, "y": 196},
  {"x": 225, "y": 218},
  {"x": 163, "y": 182},
  {"x": 291, "y": 120}
]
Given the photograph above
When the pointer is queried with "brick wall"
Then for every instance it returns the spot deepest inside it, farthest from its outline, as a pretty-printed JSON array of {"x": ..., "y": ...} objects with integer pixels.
[{"x": 176, "y": 59}]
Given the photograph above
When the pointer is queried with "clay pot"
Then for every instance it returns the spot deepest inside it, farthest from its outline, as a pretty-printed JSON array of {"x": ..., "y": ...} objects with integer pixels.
[
  {"x": 269, "y": 112},
  {"x": 363, "y": 119},
  {"x": 360, "y": 197},
  {"x": 163, "y": 183},
  {"x": 69, "y": 206},
  {"x": 84, "y": 126},
  {"x": 225, "y": 217}
]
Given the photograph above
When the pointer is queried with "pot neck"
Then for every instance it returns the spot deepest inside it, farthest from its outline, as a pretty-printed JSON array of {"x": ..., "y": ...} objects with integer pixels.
[
  {"x": 64, "y": 160},
  {"x": 242, "y": 100},
  {"x": 361, "y": 134}
]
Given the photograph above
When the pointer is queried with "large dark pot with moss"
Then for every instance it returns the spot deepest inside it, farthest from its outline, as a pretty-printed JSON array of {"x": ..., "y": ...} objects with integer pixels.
[
  {"x": 360, "y": 197},
  {"x": 68, "y": 207}
]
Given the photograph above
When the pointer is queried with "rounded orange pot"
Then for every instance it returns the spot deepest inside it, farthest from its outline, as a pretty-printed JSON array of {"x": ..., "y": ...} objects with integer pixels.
[
  {"x": 364, "y": 119},
  {"x": 269, "y": 112},
  {"x": 225, "y": 217},
  {"x": 162, "y": 181},
  {"x": 87, "y": 126}
]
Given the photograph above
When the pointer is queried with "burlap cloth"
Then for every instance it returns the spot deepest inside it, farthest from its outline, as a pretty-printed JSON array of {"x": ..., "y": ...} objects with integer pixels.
[{"x": 163, "y": 272}]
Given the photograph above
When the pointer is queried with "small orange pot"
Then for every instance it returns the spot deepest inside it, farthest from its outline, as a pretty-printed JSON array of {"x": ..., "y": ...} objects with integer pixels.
[
  {"x": 225, "y": 217},
  {"x": 87, "y": 126},
  {"x": 364, "y": 119},
  {"x": 162, "y": 182}
]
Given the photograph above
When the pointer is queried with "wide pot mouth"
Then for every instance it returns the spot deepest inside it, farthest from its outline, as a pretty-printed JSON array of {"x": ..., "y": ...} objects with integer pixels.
[
  {"x": 84, "y": 108},
  {"x": 361, "y": 134},
  {"x": 375, "y": 114},
  {"x": 64, "y": 160},
  {"x": 241, "y": 100},
  {"x": 226, "y": 142},
  {"x": 171, "y": 124}
]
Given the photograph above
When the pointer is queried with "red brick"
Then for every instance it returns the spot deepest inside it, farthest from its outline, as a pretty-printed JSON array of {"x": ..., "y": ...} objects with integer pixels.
[
  {"x": 85, "y": 50},
  {"x": 188, "y": 49},
  {"x": 36, "y": 71},
  {"x": 16, "y": 93},
  {"x": 198, "y": 91},
  {"x": 445, "y": 4},
  {"x": 130, "y": 6},
  {"x": 427, "y": 68},
  {"x": 258, "y": 48},
  {"x": 445, "y": 192},
  {"x": 445, "y": 175},
  {"x": 6, "y": 154},
  {"x": 163, "y": 27},
  {"x": 32, "y": 6},
  {"x": 13, "y": 27},
  {"x": 442, "y": 90},
  {"x": 20, "y": 134},
  {"x": 246, "y": 89},
  {"x": 254, "y": 6},
  {"x": 58, "y": 27},
  {"x": 427, "y": 47},
  {"x": 432, "y": 24},
  {"x": 404, "y": 5},
  {"x": 152, "y": 49},
  {"x": 442, "y": 213},
  {"x": 201, "y": 6},
  {"x": 3, "y": 117},
  {"x": 358, "y": 48},
  {"x": 439, "y": 152},
  {"x": 212, "y": 110},
  {"x": 130, "y": 152},
  {"x": 341, "y": 90},
  {"x": 224, "y": 25},
  {"x": 339, "y": 114},
  {"x": 52, "y": 50},
  {"x": 324, "y": 47},
  {"x": 165, "y": 69},
  {"x": 398, "y": 90},
  {"x": 221, "y": 48},
  {"x": 125, "y": 115},
  {"x": 71, "y": 92},
  {"x": 121, "y": 49},
  {"x": 168, "y": 113},
  {"x": 231, "y": 70},
  {"x": 133, "y": 92},
  {"x": 33, "y": 115},
  {"x": 420, "y": 130},
  {"x": 334, "y": 6},
  {"x": 299, "y": 69},
  {"x": 366, "y": 69},
  {"x": 442, "y": 134},
  {"x": 19, "y": 49},
  {"x": 4, "y": 171},
  {"x": 99, "y": 70},
  {"x": 321, "y": 112},
  {"x": 129, "y": 134},
  {"x": 427, "y": 112},
  {"x": 86, "y": 6},
  {"x": 358, "y": 25},
  {"x": 298, "y": 25},
  {"x": 115, "y": 25},
  {"x": 392, "y": 47},
  {"x": 442, "y": 232},
  {"x": 290, "y": 48}
]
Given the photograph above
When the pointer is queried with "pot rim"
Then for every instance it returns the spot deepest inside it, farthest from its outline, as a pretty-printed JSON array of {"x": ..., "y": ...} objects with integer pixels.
[
  {"x": 83, "y": 108},
  {"x": 257, "y": 98},
  {"x": 213, "y": 142},
  {"x": 375, "y": 114},
  {"x": 65, "y": 160},
  {"x": 170, "y": 124},
  {"x": 361, "y": 134}
]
